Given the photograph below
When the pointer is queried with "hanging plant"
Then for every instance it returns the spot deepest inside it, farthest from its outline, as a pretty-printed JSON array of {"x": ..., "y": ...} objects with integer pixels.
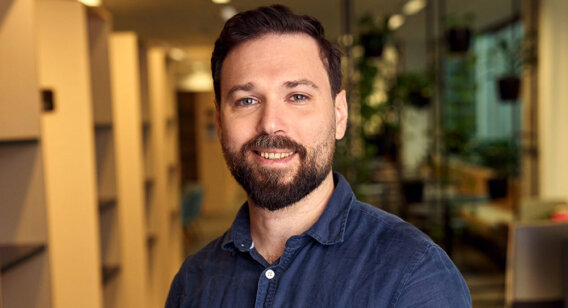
[
  {"x": 516, "y": 53},
  {"x": 414, "y": 89},
  {"x": 374, "y": 35},
  {"x": 459, "y": 33}
]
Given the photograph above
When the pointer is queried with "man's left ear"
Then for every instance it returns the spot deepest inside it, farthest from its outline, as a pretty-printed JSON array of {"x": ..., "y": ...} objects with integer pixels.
[{"x": 341, "y": 114}]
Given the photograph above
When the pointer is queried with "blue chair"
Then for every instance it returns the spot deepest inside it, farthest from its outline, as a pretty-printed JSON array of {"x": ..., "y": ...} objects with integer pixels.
[{"x": 191, "y": 200}]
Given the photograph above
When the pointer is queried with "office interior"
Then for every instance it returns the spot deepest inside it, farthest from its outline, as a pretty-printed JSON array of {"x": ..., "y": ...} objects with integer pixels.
[{"x": 111, "y": 171}]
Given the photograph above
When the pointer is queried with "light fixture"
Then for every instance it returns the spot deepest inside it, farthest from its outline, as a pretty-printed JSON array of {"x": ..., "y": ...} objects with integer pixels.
[
  {"x": 91, "y": 2},
  {"x": 413, "y": 6},
  {"x": 395, "y": 21},
  {"x": 177, "y": 54},
  {"x": 228, "y": 12},
  {"x": 221, "y": 1}
]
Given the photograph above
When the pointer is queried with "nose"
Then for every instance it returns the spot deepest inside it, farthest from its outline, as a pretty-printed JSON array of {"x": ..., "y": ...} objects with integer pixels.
[{"x": 272, "y": 118}]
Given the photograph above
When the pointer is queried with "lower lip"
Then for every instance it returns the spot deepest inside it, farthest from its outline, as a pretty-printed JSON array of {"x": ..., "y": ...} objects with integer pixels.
[{"x": 270, "y": 162}]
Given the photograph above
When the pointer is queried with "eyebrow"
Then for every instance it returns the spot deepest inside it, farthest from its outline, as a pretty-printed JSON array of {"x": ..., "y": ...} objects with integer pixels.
[
  {"x": 240, "y": 87},
  {"x": 287, "y": 84},
  {"x": 301, "y": 82}
]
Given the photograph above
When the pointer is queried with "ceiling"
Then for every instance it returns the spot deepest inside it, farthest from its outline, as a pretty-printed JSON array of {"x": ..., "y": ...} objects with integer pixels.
[
  {"x": 195, "y": 24},
  {"x": 198, "y": 22}
]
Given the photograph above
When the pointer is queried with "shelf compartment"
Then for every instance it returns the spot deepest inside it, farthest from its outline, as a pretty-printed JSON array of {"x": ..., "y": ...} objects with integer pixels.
[
  {"x": 109, "y": 272},
  {"x": 13, "y": 255},
  {"x": 19, "y": 111},
  {"x": 22, "y": 214}
]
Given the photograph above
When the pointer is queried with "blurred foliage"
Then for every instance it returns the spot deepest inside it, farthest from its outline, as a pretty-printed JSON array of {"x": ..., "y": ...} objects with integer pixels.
[
  {"x": 459, "y": 105},
  {"x": 501, "y": 155},
  {"x": 414, "y": 88}
]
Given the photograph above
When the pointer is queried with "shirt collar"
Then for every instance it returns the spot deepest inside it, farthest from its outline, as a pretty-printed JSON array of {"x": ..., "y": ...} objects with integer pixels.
[{"x": 329, "y": 229}]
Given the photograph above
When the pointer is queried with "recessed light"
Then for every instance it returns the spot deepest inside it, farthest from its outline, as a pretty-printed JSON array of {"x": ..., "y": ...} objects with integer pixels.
[
  {"x": 413, "y": 6},
  {"x": 228, "y": 12},
  {"x": 91, "y": 2},
  {"x": 221, "y": 1},
  {"x": 395, "y": 21}
]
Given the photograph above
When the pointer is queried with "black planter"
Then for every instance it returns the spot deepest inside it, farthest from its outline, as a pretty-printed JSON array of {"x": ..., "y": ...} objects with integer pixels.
[
  {"x": 497, "y": 188},
  {"x": 373, "y": 43},
  {"x": 413, "y": 191},
  {"x": 459, "y": 39},
  {"x": 509, "y": 88},
  {"x": 418, "y": 99}
]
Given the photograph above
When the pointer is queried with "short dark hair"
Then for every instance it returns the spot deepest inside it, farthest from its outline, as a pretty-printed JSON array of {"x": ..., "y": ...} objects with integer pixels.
[{"x": 276, "y": 19}]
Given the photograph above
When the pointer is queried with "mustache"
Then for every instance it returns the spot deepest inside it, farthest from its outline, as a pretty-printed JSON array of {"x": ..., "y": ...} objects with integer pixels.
[{"x": 266, "y": 141}]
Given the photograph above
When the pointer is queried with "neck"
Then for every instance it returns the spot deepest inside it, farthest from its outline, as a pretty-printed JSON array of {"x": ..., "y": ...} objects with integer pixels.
[{"x": 271, "y": 229}]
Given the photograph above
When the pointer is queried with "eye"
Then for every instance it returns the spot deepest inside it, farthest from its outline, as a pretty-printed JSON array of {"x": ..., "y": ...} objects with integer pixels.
[
  {"x": 247, "y": 101},
  {"x": 298, "y": 97}
]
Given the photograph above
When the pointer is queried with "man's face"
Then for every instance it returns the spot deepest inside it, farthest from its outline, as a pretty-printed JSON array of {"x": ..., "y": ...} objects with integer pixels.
[{"x": 277, "y": 119}]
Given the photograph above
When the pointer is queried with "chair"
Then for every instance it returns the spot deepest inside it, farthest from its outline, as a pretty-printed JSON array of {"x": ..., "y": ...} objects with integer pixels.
[{"x": 191, "y": 200}]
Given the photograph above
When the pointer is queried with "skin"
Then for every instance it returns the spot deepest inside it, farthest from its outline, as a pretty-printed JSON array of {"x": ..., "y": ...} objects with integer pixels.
[{"x": 277, "y": 84}]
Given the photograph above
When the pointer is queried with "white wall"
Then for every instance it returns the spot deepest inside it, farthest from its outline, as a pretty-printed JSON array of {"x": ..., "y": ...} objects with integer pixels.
[{"x": 553, "y": 98}]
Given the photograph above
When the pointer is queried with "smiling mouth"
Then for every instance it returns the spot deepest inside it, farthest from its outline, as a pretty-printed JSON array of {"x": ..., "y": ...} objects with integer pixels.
[{"x": 274, "y": 156}]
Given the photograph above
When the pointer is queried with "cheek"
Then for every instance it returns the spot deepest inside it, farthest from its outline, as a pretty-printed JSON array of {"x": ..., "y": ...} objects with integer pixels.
[{"x": 235, "y": 135}]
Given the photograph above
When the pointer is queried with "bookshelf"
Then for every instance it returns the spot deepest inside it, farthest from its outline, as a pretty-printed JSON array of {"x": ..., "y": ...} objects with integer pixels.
[
  {"x": 167, "y": 250},
  {"x": 25, "y": 278},
  {"x": 71, "y": 153}
]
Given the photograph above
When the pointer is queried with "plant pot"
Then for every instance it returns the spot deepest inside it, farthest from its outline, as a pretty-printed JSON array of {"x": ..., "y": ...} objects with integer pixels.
[
  {"x": 459, "y": 39},
  {"x": 418, "y": 99},
  {"x": 509, "y": 88},
  {"x": 413, "y": 190},
  {"x": 373, "y": 43},
  {"x": 497, "y": 188}
]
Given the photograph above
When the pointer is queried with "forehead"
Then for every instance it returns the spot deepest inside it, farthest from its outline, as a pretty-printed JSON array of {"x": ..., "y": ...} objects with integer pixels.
[{"x": 274, "y": 57}]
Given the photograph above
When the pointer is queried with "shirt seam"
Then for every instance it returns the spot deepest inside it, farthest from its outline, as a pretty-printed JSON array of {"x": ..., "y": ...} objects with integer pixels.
[{"x": 406, "y": 278}]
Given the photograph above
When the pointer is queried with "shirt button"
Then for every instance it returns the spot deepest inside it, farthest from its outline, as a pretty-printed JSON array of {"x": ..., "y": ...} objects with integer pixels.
[{"x": 269, "y": 274}]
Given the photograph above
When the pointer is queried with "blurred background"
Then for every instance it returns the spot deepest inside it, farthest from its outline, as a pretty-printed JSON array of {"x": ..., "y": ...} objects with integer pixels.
[{"x": 111, "y": 172}]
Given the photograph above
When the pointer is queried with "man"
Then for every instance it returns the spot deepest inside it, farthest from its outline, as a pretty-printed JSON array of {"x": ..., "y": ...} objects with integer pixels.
[{"x": 301, "y": 239}]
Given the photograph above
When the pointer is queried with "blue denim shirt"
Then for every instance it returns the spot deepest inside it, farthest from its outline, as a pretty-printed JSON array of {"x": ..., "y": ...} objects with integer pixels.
[{"x": 355, "y": 255}]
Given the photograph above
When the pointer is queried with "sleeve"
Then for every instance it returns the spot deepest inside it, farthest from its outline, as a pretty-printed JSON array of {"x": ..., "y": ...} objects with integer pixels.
[{"x": 432, "y": 281}]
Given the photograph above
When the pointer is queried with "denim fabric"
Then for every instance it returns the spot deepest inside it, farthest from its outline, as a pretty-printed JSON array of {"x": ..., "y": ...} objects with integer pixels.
[{"x": 355, "y": 255}]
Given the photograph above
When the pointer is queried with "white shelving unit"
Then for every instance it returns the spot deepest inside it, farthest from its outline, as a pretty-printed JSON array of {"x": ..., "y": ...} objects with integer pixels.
[{"x": 24, "y": 265}]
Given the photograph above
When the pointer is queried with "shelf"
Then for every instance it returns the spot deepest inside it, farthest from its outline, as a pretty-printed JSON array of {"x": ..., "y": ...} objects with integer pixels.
[
  {"x": 151, "y": 240},
  {"x": 103, "y": 126},
  {"x": 14, "y": 255},
  {"x": 106, "y": 203},
  {"x": 22, "y": 140},
  {"x": 110, "y": 272}
]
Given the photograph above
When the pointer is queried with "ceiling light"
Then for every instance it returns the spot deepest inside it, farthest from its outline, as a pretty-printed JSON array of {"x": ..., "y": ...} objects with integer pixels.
[
  {"x": 221, "y": 1},
  {"x": 91, "y": 2},
  {"x": 395, "y": 21},
  {"x": 228, "y": 12},
  {"x": 413, "y": 6},
  {"x": 177, "y": 54}
]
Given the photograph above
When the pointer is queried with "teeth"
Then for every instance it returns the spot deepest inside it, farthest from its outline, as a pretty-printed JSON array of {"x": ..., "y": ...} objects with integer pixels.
[{"x": 275, "y": 156}]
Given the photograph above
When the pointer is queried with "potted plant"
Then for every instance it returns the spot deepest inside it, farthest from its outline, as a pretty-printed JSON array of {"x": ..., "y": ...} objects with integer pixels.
[
  {"x": 459, "y": 32},
  {"x": 414, "y": 89},
  {"x": 374, "y": 35},
  {"x": 502, "y": 156},
  {"x": 516, "y": 53}
]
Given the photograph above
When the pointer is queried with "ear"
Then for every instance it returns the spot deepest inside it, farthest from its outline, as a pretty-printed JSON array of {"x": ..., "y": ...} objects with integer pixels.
[
  {"x": 341, "y": 114},
  {"x": 218, "y": 119}
]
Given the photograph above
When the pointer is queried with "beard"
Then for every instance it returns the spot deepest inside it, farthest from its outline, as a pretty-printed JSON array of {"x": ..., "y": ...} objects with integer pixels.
[{"x": 267, "y": 187}]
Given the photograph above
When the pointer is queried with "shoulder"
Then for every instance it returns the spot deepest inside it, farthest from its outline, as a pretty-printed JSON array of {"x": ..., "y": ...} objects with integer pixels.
[
  {"x": 378, "y": 225},
  {"x": 421, "y": 271}
]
